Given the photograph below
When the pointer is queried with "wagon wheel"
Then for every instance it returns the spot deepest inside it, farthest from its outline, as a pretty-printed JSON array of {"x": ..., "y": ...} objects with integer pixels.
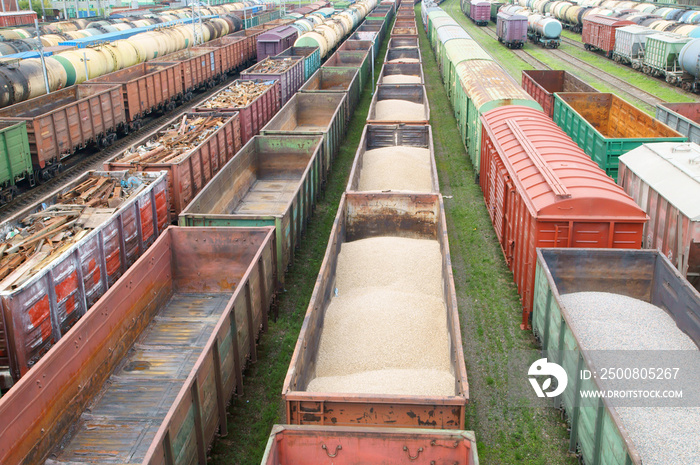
[
  {"x": 687, "y": 86},
  {"x": 670, "y": 78},
  {"x": 170, "y": 106},
  {"x": 586, "y": 46}
]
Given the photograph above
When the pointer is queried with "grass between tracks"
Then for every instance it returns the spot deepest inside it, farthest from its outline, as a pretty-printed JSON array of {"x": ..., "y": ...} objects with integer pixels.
[
  {"x": 252, "y": 414},
  {"x": 515, "y": 65},
  {"x": 489, "y": 305}
]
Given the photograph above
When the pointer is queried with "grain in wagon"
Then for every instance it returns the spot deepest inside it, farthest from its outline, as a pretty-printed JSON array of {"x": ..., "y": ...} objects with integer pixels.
[
  {"x": 400, "y": 79},
  {"x": 397, "y": 168},
  {"x": 399, "y": 110},
  {"x": 605, "y": 322},
  {"x": 404, "y": 60},
  {"x": 387, "y": 321}
]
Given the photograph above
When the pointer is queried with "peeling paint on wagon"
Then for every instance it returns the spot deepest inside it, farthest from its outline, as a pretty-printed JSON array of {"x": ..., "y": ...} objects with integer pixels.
[
  {"x": 177, "y": 393},
  {"x": 361, "y": 216},
  {"x": 543, "y": 84}
]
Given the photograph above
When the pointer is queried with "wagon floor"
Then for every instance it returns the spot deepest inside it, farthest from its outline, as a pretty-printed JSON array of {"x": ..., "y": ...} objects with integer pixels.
[
  {"x": 123, "y": 419},
  {"x": 268, "y": 196}
]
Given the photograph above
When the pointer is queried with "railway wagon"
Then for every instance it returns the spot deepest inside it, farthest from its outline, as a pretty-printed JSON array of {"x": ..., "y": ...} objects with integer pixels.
[
  {"x": 272, "y": 181},
  {"x": 682, "y": 117},
  {"x": 661, "y": 53},
  {"x": 403, "y": 55},
  {"x": 401, "y": 73},
  {"x": 17, "y": 18},
  {"x": 431, "y": 16},
  {"x": 599, "y": 430},
  {"x": 15, "y": 159},
  {"x": 290, "y": 444},
  {"x": 605, "y": 126},
  {"x": 599, "y": 32},
  {"x": 388, "y": 217},
  {"x": 402, "y": 137},
  {"x": 89, "y": 242},
  {"x": 511, "y": 28},
  {"x": 367, "y": 36},
  {"x": 64, "y": 121},
  {"x": 323, "y": 114},
  {"x": 541, "y": 190},
  {"x": 629, "y": 44},
  {"x": 445, "y": 34},
  {"x": 457, "y": 54},
  {"x": 190, "y": 165},
  {"x": 543, "y": 84},
  {"x": 332, "y": 80},
  {"x": 275, "y": 41},
  {"x": 213, "y": 286},
  {"x": 312, "y": 58},
  {"x": 199, "y": 67},
  {"x": 495, "y": 6},
  {"x": 399, "y": 104},
  {"x": 145, "y": 88},
  {"x": 288, "y": 71},
  {"x": 664, "y": 180},
  {"x": 255, "y": 100},
  {"x": 480, "y": 12},
  {"x": 371, "y": 27},
  {"x": 483, "y": 85},
  {"x": 544, "y": 31},
  {"x": 435, "y": 24},
  {"x": 235, "y": 50},
  {"x": 362, "y": 61},
  {"x": 404, "y": 28}
]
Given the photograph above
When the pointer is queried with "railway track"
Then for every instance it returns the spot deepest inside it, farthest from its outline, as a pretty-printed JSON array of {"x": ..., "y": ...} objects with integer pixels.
[
  {"x": 622, "y": 87},
  {"x": 93, "y": 160}
]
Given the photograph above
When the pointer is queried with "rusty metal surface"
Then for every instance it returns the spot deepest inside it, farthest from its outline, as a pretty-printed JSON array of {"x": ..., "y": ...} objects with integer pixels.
[
  {"x": 361, "y": 216},
  {"x": 43, "y": 308},
  {"x": 153, "y": 365},
  {"x": 199, "y": 157},
  {"x": 199, "y": 66},
  {"x": 146, "y": 86},
  {"x": 291, "y": 445},
  {"x": 542, "y": 84},
  {"x": 61, "y": 122},
  {"x": 380, "y": 136},
  {"x": 288, "y": 71},
  {"x": 271, "y": 181},
  {"x": 403, "y": 55}
]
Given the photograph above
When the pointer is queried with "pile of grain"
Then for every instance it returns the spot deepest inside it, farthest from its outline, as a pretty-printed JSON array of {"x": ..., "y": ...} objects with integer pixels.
[
  {"x": 404, "y": 60},
  {"x": 386, "y": 330},
  {"x": 604, "y": 321},
  {"x": 399, "y": 110},
  {"x": 396, "y": 168},
  {"x": 400, "y": 79}
]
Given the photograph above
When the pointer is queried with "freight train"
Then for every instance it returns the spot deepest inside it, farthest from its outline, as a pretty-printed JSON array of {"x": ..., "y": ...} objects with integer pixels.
[
  {"x": 162, "y": 83},
  {"x": 177, "y": 284}
]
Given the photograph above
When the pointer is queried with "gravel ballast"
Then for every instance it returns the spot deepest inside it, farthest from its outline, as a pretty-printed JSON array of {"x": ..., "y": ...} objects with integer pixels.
[
  {"x": 397, "y": 168},
  {"x": 603, "y": 322},
  {"x": 385, "y": 332}
]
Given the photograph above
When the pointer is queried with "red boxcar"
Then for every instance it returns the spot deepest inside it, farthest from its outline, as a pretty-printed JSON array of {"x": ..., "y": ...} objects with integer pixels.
[
  {"x": 542, "y": 190},
  {"x": 480, "y": 12},
  {"x": 17, "y": 18},
  {"x": 599, "y": 32}
]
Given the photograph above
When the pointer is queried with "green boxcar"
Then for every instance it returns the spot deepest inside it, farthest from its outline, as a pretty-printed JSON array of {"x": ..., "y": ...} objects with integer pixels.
[
  {"x": 432, "y": 16},
  {"x": 596, "y": 429},
  {"x": 661, "y": 51},
  {"x": 435, "y": 24},
  {"x": 444, "y": 35},
  {"x": 605, "y": 126},
  {"x": 482, "y": 86},
  {"x": 15, "y": 159},
  {"x": 271, "y": 181},
  {"x": 455, "y": 52}
]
